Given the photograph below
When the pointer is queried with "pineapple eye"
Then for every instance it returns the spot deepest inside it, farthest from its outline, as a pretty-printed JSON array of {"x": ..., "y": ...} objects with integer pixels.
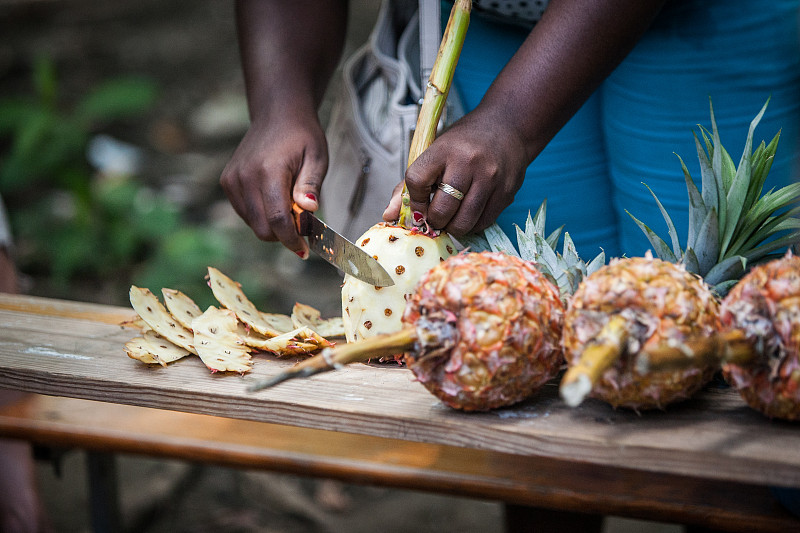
[
  {"x": 420, "y": 251},
  {"x": 449, "y": 249},
  {"x": 392, "y": 238},
  {"x": 365, "y": 241},
  {"x": 378, "y": 288},
  {"x": 441, "y": 259},
  {"x": 375, "y": 257},
  {"x": 387, "y": 312},
  {"x": 368, "y": 324},
  {"x": 400, "y": 269},
  {"x": 347, "y": 310}
]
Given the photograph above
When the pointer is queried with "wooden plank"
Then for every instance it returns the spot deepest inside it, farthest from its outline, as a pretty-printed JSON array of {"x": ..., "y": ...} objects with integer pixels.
[
  {"x": 715, "y": 436},
  {"x": 524, "y": 480}
]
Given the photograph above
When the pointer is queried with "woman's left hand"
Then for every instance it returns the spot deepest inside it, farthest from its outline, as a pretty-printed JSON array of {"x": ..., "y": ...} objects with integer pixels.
[{"x": 477, "y": 157}]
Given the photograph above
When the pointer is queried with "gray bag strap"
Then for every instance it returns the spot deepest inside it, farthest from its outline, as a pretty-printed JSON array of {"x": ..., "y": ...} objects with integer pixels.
[{"x": 429, "y": 37}]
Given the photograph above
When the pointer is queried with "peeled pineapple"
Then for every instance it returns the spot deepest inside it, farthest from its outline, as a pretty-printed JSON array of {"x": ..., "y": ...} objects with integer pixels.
[{"x": 406, "y": 255}]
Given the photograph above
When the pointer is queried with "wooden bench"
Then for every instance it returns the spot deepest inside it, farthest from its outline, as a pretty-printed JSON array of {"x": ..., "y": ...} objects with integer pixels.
[
  {"x": 104, "y": 428},
  {"x": 706, "y": 463}
]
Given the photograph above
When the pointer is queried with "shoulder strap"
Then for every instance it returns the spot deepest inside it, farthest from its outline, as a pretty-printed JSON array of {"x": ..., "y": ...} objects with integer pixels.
[{"x": 429, "y": 37}]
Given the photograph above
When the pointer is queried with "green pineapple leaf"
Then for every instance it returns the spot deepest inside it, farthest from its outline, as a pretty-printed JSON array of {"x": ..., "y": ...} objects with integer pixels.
[
  {"x": 660, "y": 247},
  {"x": 697, "y": 207},
  {"x": 731, "y": 268},
  {"x": 525, "y": 243},
  {"x": 499, "y": 241},
  {"x": 690, "y": 261},
  {"x": 740, "y": 187},
  {"x": 707, "y": 243},
  {"x": 596, "y": 263},
  {"x": 475, "y": 242},
  {"x": 673, "y": 233}
]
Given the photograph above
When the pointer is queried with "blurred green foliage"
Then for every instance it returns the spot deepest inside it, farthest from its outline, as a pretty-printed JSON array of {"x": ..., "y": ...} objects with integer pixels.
[{"x": 72, "y": 225}]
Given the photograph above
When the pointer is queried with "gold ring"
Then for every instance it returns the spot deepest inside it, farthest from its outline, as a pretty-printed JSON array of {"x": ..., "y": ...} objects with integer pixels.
[{"x": 452, "y": 191}]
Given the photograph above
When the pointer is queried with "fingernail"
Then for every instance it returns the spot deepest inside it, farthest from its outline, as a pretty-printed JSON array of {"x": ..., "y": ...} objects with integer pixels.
[
  {"x": 311, "y": 196},
  {"x": 418, "y": 217},
  {"x": 301, "y": 254}
]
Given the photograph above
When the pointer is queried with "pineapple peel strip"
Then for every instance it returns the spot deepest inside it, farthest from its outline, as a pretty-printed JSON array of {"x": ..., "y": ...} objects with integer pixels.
[
  {"x": 229, "y": 293},
  {"x": 305, "y": 315},
  {"x": 158, "y": 318},
  {"x": 181, "y": 306},
  {"x": 218, "y": 343},
  {"x": 152, "y": 348}
]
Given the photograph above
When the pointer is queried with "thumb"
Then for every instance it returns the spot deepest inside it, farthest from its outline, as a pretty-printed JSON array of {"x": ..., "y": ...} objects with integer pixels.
[
  {"x": 306, "y": 191},
  {"x": 392, "y": 211}
]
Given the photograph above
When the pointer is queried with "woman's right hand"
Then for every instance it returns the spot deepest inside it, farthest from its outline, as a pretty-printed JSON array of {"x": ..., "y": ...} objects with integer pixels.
[{"x": 278, "y": 162}]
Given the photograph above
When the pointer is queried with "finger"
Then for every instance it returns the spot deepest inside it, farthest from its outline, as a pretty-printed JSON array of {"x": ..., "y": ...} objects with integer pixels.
[
  {"x": 421, "y": 176},
  {"x": 448, "y": 198},
  {"x": 232, "y": 188},
  {"x": 468, "y": 215},
  {"x": 280, "y": 216},
  {"x": 306, "y": 190},
  {"x": 392, "y": 211}
]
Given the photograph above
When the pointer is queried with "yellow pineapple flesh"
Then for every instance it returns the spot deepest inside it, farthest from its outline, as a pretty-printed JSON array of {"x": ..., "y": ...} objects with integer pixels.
[{"x": 406, "y": 255}]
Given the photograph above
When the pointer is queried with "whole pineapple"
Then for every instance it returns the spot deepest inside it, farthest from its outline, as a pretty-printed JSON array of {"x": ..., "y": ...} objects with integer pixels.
[
  {"x": 406, "y": 255},
  {"x": 638, "y": 303},
  {"x": 504, "y": 320},
  {"x": 624, "y": 307},
  {"x": 765, "y": 305}
]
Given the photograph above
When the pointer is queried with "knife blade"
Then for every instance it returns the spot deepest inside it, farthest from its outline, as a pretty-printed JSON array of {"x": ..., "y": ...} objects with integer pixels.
[{"x": 340, "y": 252}]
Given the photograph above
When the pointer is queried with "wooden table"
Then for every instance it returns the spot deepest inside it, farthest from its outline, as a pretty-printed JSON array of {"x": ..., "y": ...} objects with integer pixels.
[{"x": 707, "y": 461}]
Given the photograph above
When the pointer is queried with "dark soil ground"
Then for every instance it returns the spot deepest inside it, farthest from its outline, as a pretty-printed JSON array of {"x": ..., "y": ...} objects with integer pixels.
[{"x": 190, "y": 49}]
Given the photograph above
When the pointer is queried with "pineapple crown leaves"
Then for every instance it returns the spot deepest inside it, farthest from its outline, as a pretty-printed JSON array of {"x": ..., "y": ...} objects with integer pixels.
[
  {"x": 731, "y": 221},
  {"x": 565, "y": 270}
]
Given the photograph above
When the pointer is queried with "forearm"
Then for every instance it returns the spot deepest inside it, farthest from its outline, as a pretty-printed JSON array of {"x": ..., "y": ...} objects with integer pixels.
[
  {"x": 575, "y": 46},
  {"x": 289, "y": 50}
]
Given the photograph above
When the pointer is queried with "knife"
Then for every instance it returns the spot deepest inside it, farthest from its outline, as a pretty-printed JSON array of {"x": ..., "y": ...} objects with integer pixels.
[{"x": 340, "y": 252}]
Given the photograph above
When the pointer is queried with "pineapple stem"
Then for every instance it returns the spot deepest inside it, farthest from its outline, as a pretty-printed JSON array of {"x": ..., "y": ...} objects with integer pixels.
[
  {"x": 338, "y": 356},
  {"x": 730, "y": 347},
  {"x": 596, "y": 358},
  {"x": 439, "y": 83}
]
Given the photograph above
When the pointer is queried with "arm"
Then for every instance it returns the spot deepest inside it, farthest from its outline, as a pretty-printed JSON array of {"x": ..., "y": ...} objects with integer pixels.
[
  {"x": 289, "y": 51},
  {"x": 563, "y": 60}
]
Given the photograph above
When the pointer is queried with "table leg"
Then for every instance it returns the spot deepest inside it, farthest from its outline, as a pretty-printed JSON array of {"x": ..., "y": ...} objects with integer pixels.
[
  {"x": 523, "y": 518},
  {"x": 103, "y": 497}
]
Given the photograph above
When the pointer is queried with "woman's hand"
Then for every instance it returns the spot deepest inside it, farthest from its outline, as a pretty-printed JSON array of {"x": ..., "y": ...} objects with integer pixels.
[
  {"x": 277, "y": 163},
  {"x": 569, "y": 52},
  {"x": 479, "y": 157},
  {"x": 289, "y": 51}
]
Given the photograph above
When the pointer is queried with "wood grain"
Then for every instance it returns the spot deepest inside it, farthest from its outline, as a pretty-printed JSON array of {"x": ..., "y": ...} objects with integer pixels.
[
  {"x": 520, "y": 479},
  {"x": 75, "y": 350}
]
